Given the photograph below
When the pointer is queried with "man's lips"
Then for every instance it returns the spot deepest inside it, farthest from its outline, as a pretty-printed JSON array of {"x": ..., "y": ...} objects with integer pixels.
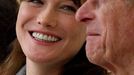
[{"x": 93, "y": 34}]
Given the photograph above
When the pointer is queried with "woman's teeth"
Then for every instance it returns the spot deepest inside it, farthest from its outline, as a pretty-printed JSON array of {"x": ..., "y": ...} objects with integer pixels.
[{"x": 45, "y": 37}]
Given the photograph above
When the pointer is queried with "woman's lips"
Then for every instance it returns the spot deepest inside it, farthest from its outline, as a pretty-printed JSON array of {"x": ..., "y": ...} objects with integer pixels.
[{"x": 44, "y": 37}]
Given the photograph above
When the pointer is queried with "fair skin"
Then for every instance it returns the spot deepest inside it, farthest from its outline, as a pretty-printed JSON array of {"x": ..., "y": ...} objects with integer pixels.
[
  {"x": 48, "y": 34},
  {"x": 110, "y": 39}
]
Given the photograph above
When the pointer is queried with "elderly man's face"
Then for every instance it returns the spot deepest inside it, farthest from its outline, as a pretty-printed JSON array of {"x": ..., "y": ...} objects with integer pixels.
[{"x": 110, "y": 30}]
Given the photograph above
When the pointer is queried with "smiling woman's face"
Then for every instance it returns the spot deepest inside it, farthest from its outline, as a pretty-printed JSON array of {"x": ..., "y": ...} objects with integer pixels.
[{"x": 47, "y": 30}]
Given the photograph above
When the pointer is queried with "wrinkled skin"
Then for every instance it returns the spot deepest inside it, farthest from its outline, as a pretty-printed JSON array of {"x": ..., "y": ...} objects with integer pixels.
[{"x": 110, "y": 28}]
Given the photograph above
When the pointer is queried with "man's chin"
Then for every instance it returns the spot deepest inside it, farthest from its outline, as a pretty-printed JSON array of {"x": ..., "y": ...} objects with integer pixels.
[
  {"x": 95, "y": 57},
  {"x": 92, "y": 58}
]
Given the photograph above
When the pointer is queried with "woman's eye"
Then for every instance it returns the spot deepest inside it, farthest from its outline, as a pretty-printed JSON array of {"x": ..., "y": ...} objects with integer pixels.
[
  {"x": 68, "y": 8},
  {"x": 38, "y": 2}
]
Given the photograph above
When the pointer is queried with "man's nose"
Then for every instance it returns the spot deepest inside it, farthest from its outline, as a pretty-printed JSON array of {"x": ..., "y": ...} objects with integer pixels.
[
  {"x": 47, "y": 18},
  {"x": 85, "y": 13}
]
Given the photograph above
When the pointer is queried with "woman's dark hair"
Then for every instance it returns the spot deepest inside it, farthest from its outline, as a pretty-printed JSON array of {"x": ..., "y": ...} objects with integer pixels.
[
  {"x": 8, "y": 16},
  {"x": 15, "y": 60}
]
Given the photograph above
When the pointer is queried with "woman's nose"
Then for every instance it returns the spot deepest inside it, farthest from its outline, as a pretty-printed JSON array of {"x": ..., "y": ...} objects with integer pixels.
[
  {"x": 47, "y": 18},
  {"x": 85, "y": 13}
]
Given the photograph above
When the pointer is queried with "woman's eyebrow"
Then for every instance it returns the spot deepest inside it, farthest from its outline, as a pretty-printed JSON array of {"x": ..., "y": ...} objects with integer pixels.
[{"x": 77, "y": 2}]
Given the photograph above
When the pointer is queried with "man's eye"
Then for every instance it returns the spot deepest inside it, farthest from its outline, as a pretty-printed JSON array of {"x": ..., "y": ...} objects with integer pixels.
[
  {"x": 68, "y": 8},
  {"x": 36, "y": 2}
]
